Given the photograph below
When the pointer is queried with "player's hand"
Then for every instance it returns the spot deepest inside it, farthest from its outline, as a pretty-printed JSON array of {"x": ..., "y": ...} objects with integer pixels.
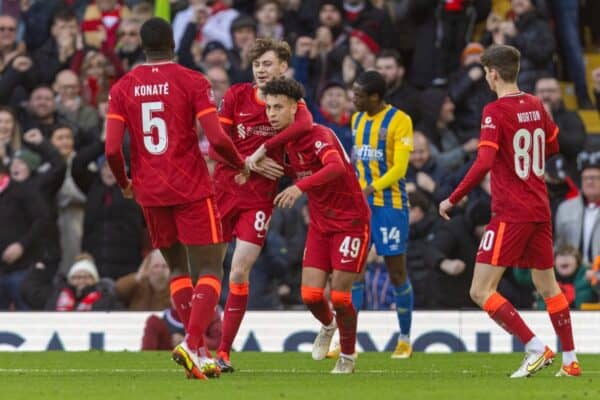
[
  {"x": 367, "y": 191},
  {"x": 269, "y": 168},
  {"x": 128, "y": 191},
  {"x": 288, "y": 197},
  {"x": 453, "y": 267},
  {"x": 12, "y": 253},
  {"x": 445, "y": 207},
  {"x": 259, "y": 154}
]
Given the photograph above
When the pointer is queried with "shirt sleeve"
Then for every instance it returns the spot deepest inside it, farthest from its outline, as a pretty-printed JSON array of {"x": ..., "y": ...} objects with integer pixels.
[
  {"x": 490, "y": 131},
  {"x": 403, "y": 145},
  {"x": 202, "y": 95},
  {"x": 115, "y": 132},
  {"x": 226, "y": 109},
  {"x": 552, "y": 131}
]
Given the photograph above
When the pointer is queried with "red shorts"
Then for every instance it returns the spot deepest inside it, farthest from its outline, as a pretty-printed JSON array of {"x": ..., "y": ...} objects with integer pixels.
[
  {"x": 514, "y": 244},
  {"x": 196, "y": 223},
  {"x": 342, "y": 251},
  {"x": 248, "y": 224}
]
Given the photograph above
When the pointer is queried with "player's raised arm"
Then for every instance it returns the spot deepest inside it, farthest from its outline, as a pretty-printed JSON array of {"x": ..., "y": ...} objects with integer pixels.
[{"x": 403, "y": 145}]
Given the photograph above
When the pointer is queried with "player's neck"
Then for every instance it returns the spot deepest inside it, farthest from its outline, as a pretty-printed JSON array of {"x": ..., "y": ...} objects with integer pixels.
[
  {"x": 376, "y": 109},
  {"x": 506, "y": 89}
]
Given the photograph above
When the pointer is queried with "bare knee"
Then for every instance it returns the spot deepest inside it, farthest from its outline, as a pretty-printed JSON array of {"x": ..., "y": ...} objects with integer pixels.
[{"x": 480, "y": 294}]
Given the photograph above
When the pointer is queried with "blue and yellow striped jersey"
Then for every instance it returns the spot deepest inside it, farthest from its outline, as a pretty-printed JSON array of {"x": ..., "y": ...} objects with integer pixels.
[{"x": 381, "y": 143}]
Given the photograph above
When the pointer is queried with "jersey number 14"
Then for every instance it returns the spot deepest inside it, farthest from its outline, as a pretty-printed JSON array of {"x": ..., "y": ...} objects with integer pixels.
[{"x": 155, "y": 144}]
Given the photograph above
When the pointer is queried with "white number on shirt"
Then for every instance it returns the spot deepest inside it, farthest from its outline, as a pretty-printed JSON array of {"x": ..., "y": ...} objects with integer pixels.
[
  {"x": 149, "y": 122},
  {"x": 350, "y": 246},
  {"x": 523, "y": 142},
  {"x": 392, "y": 234}
]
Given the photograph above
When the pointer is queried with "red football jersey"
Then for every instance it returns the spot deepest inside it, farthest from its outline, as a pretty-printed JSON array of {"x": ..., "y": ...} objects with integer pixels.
[
  {"x": 519, "y": 128},
  {"x": 159, "y": 104},
  {"x": 245, "y": 114},
  {"x": 338, "y": 205}
]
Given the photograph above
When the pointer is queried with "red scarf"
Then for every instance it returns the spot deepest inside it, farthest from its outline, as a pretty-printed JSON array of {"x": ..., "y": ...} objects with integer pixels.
[
  {"x": 67, "y": 302},
  {"x": 344, "y": 118}
]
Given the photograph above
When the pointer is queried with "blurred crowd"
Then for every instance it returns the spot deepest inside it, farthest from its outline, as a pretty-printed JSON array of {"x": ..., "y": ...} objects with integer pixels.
[{"x": 69, "y": 240}]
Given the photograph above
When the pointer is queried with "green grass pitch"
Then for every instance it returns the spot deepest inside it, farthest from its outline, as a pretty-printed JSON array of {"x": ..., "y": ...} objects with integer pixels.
[{"x": 265, "y": 376}]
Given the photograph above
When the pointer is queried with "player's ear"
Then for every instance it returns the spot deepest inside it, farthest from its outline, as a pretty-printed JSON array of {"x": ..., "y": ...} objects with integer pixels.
[{"x": 283, "y": 66}]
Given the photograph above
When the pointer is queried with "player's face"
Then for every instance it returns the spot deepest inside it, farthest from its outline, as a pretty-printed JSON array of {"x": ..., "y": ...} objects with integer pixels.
[
  {"x": 268, "y": 67},
  {"x": 362, "y": 101},
  {"x": 491, "y": 76},
  {"x": 281, "y": 111}
]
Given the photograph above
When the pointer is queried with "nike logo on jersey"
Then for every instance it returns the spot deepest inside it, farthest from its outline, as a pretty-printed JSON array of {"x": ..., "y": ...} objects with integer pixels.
[{"x": 243, "y": 114}]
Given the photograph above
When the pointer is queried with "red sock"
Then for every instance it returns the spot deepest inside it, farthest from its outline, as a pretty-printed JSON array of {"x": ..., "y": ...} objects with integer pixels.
[
  {"x": 558, "y": 309},
  {"x": 204, "y": 301},
  {"x": 505, "y": 315},
  {"x": 345, "y": 316},
  {"x": 317, "y": 304},
  {"x": 181, "y": 297},
  {"x": 235, "y": 308}
]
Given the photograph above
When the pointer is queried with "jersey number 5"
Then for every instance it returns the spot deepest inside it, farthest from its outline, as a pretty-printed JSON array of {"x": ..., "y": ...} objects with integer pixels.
[
  {"x": 523, "y": 143},
  {"x": 159, "y": 144}
]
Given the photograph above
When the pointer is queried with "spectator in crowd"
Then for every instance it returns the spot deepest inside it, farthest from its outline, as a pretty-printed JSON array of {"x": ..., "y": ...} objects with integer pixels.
[
  {"x": 167, "y": 331},
  {"x": 596, "y": 81},
  {"x": 214, "y": 54},
  {"x": 22, "y": 209},
  {"x": 456, "y": 19},
  {"x": 332, "y": 111},
  {"x": 361, "y": 55},
  {"x": 268, "y": 13},
  {"x": 40, "y": 112},
  {"x": 531, "y": 34},
  {"x": 243, "y": 35},
  {"x": 97, "y": 73},
  {"x": 69, "y": 199},
  {"x": 363, "y": 14},
  {"x": 112, "y": 227},
  {"x": 566, "y": 18},
  {"x": 70, "y": 104},
  {"x": 424, "y": 173},
  {"x": 560, "y": 185},
  {"x": 219, "y": 80},
  {"x": 572, "y": 136},
  {"x": 196, "y": 14},
  {"x": 438, "y": 112},
  {"x": 83, "y": 289},
  {"x": 469, "y": 91},
  {"x": 148, "y": 288},
  {"x": 17, "y": 74},
  {"x": 143, "y": 11},
  {"x": 578, "y": 220},
  {"x": 423, "y": 224},
  {"x": 399, "y": 93},
  {"x": 100, "y": 23},
  {"x": 452, "y": 255},
  {"x": 10, "y": 135},
  {"x": 47, "y": 180},
  {"x": 192, "y": 42},
  {"x": 570, "y": 276},
  {"x": 129, "y": 46},
  {"x": 63, "y": 46}
]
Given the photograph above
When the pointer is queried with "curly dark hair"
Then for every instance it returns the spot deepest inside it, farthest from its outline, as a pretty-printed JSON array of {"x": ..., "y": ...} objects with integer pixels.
[
  {"x": 262, "y": 45},
  {"x": 284, "y": 86}
]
